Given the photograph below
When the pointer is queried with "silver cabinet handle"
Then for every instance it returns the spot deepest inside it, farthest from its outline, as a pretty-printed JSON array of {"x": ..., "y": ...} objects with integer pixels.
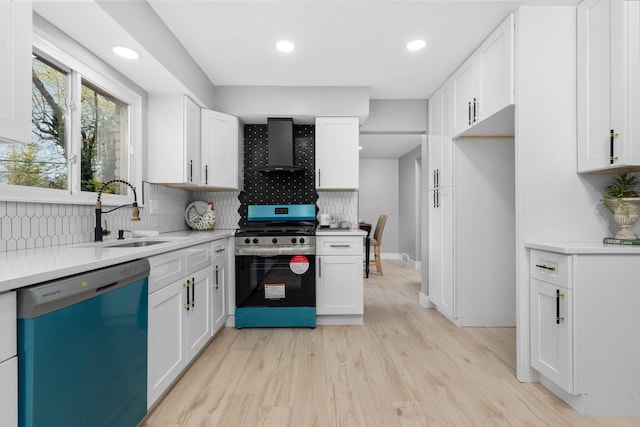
[
  {"x": 340, "y": 246},
  {"x": 546, "y": 267},
  {"x": 319, "y": 266}
]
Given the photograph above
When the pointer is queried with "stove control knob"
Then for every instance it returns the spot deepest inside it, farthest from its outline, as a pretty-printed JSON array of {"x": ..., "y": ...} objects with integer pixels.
[
  {"x": 274, "y": 240},
  {"x": 255, "y": 241},
  {"x": 247, "y": 240},
  {"x": 293, "y": 240},
  {"x": 302, "y": 240}
]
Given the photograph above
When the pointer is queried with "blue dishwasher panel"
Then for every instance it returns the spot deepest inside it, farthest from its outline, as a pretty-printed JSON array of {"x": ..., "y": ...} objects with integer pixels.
[{"x": 86, "y": 364}]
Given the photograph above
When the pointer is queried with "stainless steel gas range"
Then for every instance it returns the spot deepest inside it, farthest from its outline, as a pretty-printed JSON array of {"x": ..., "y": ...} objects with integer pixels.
[{"x": 275, "y": 267}]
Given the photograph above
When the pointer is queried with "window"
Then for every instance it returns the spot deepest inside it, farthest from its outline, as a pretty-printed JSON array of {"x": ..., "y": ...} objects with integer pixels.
[
  {"x": 85, "y": 131},
  {"x": 42, "y": 162}
]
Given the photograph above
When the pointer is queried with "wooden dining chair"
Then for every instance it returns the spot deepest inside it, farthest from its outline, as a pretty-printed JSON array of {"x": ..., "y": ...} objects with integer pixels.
[{"x": 376, "y": 243}]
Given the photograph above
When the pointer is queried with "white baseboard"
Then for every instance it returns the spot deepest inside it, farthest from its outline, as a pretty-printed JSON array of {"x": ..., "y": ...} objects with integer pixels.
[
  {"x": 406, "y": 259},
  {"x": 389, "y": 255},
  {"x": 424, "y": 300}
]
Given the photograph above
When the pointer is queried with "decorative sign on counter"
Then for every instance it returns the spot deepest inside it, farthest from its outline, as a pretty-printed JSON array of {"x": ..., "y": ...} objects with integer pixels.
[{"x": 614, "y": 241}]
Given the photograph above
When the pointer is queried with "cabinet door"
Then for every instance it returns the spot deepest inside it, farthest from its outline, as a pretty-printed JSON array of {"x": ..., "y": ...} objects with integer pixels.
[
  {"x": 9, "y": 392},
  {"x": 337, "y": 159},
  {"x": 166, "y": 353},
  {"x": 339, "y": 285},
  {"x": 441, "y": 279},
  {"x": 15, "y": 71},
  {"x": 495, "y": 71},
  {"x": 594, "y": 84},
  {"x": 198, "y": 323},
  {"x": 218, "y": 295},
  {"x": 174, "y": 140},
  {"x": 8, "y": 327},
  {"x": 219, "y": 165},
  {"x": 192, "y": 140},
  {"x": 551, "y": 339},
  {"x": 434, "y": 143},
  {"x": 464, "y": 83},
  {"x": 608, "y": 87},
  {"x": 445, "y": 178}
]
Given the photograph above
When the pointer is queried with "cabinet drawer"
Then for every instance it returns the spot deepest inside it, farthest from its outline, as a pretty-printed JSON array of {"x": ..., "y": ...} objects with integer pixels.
[
  {"x": 8, "y": 328},
  {"x": 339, "y": 245},
  {"x": 551, "y": 268},
  {"x": 198, "y": 257},
  {"x": 167, "y": 268}
]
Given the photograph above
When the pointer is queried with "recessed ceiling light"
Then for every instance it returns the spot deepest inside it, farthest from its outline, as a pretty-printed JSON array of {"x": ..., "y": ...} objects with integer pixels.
[
  {"x": 126, "y": 52},
  {"x": 285, "y": 46},
  {"x": 414, "y": 45},
  {"x": 360, "y": 147}
]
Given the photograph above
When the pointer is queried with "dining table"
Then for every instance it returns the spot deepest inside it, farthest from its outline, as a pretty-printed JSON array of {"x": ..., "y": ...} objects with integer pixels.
[{"x": 365, "y": 226}]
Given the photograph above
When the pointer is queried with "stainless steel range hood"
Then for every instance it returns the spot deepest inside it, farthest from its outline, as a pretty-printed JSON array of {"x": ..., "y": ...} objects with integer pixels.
[{"x": 280, "y": 146}]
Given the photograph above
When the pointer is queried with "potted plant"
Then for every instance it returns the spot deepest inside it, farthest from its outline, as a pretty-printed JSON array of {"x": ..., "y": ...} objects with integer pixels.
[{"x": 622, "y": 198}]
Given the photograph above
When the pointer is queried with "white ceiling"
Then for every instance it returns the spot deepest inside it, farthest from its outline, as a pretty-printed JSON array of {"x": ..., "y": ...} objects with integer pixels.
[{"x": 338, "y": 43}]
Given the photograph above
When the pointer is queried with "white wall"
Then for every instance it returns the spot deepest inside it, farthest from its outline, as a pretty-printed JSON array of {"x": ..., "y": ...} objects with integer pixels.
[
  {"x": 400, "y": 116},
  {"x": 379, "y": 195},
  {"x": 408, "y": 229}
]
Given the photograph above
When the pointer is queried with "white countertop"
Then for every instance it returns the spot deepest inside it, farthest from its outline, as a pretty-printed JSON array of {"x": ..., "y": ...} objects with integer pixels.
[
  {"x": 589, "y": 247},
  {"x": 31, "y": 266}
]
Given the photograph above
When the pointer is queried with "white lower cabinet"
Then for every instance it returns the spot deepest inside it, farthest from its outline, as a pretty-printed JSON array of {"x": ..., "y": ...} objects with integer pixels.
[
  {"x": 339, "y": 277},
  {"x": 218, "y": 286},
  {"x": 9, "y": 392},
  {"x": 166, "y": 352},
  {"x": 551, "y": 319},
  {"x": 584, "y": 320},
  {"x": 179, "y": 314},
  {"x": 8, "y": 360}
]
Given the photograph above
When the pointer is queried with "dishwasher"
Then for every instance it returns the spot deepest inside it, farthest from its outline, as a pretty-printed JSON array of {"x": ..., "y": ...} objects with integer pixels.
[{"x": 82, "y": 349}]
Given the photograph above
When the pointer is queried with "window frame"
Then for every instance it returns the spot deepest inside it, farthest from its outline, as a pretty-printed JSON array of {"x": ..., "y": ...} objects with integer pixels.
[{"x": 81, "y": 64}]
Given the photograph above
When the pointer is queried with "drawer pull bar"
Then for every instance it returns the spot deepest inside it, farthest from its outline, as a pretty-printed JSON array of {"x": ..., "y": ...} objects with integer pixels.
[
  {"x": 558, "y": 296},
  {"x": 186, "y": 285},
  {"x": 546, "y": 267},
  {"x": 340, "y": 246}
]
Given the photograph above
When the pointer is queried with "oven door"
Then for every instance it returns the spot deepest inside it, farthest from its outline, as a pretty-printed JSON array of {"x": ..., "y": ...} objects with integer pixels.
[{"x": 275, "y": 280}]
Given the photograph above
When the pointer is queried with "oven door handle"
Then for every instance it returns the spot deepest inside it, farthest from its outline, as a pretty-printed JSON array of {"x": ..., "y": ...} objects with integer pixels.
[{"x": 294, "y": 250}]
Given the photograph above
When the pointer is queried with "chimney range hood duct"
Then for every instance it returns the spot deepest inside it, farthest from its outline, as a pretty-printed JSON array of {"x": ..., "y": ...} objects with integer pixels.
[{"x": 280, "y": 146}]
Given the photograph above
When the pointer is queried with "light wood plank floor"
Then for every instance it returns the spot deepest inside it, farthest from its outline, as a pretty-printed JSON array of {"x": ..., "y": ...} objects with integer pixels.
[{"x": 407, "y": 366}]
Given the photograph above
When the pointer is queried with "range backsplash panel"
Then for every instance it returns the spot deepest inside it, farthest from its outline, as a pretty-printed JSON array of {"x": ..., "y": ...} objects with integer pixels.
[{"x": 274, "y": 188}]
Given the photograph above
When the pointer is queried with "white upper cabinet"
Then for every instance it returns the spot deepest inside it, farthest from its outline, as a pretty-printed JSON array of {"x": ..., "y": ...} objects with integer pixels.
[
  {"x": 484, "y": 85},
  {"x": 15, "y": 71},
  {"x": 608, "y": 84},
  {"x": 174, "y": 140},
  {"x": 191, "y": 147},
  {"x": 337, "y": 158},
  {"x": 440, "y": 161},
  {"x": 220, "y": 150}
]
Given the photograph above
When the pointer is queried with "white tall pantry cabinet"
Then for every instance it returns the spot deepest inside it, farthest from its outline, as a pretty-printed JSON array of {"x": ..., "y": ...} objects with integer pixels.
[{"x": 471, "y": 204}]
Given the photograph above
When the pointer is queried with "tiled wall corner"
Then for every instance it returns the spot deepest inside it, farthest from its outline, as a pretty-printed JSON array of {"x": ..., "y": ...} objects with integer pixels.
[
  {"x": 342, "y": 205},
  {"x": 226, "y": 204}
]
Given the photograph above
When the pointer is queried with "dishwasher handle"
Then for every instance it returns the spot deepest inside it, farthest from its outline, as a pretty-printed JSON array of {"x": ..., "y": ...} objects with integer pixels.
[{"x": 47, "y": 297}]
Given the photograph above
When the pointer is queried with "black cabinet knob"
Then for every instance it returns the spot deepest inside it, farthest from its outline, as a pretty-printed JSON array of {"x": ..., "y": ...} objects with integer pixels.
[
  {"x": 247, "y": 241},
  {"x": 274, "y": 240}
]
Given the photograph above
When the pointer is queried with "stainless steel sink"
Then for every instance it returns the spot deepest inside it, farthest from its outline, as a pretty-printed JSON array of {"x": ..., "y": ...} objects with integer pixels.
[{"x": 136, "y": 244}]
